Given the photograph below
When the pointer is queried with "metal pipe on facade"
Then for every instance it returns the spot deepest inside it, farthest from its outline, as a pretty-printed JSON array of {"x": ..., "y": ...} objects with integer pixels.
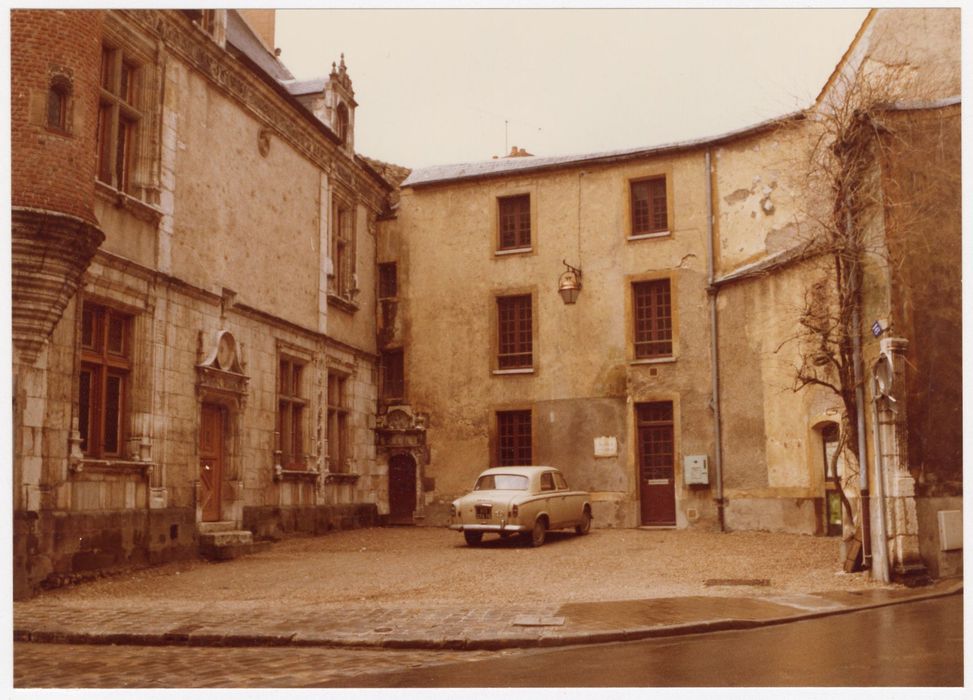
[{"x": 712, "y": 290}]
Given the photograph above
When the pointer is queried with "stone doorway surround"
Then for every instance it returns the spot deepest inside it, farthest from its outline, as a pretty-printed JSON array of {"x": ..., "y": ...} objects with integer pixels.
[
  {"x": 221, "y": 380},
  {"x": 401, "y": 433}
]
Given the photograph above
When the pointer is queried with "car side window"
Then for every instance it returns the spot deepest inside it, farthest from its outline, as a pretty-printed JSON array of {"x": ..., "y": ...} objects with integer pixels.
[
  {"x": 547, "y": 481},
  {"x": 562, "y": 485}
]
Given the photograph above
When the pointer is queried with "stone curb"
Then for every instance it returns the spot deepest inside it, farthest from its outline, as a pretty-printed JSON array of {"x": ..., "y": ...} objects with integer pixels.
[{"x": 456, "y": 644}]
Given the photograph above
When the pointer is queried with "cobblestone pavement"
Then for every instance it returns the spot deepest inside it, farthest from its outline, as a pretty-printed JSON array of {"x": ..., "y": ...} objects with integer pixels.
[
  {"x": 97, "y": 666},
  {"x": 378, "y": 592}
]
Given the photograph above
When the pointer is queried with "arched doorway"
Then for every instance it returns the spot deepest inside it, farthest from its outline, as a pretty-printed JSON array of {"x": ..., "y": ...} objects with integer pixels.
[{"x": 402, "y": 489}]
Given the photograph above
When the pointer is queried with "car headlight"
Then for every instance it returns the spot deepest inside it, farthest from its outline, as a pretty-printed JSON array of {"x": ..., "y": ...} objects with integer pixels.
[
  {"x": 514, "y": 511},
  {"x": 452, "y": 509}
]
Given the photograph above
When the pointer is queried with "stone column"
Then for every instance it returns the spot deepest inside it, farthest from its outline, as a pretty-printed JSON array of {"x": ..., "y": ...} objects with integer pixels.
[{"x": 899, "y": 502}]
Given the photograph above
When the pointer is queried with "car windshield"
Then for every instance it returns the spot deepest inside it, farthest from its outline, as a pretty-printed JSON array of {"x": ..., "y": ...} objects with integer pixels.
[{"x": 501, "y": 482}]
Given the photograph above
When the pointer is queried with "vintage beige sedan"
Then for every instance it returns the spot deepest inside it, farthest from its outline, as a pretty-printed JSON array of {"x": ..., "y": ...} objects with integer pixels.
[{"x": 525, "y": 500}]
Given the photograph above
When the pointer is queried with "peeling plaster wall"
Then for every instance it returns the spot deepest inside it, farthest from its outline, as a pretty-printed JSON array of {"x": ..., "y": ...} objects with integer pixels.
[{"x": 760, "y": 206}]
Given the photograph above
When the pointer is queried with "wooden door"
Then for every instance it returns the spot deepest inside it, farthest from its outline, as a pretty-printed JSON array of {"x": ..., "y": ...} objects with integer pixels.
[
  {"x": 402, "y": 489},
  {"x": 657, "y": 482},
  {"x": 211, "y": 430}
]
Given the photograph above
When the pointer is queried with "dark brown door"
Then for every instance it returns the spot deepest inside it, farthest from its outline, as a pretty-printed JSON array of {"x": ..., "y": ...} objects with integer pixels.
[
  {"x": 211, "y": 461},
  {"x": 657, "y": 483},
  {"x": 402, "y": 489}
]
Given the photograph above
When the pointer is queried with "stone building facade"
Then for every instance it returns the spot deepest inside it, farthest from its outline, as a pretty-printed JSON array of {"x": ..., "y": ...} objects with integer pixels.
[
  {"x": 695, "y": 261},
  {"x": 195, "y": 337},
  {"x": 226, "y": 319}
]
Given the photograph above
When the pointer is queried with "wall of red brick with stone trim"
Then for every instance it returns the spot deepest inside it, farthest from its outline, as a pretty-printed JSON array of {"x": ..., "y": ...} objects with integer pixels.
[{"x": 54, "y": 170}]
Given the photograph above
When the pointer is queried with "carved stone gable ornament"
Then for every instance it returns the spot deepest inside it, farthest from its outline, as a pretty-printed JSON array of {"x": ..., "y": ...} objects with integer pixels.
[
  {"x": 222, "y": 370},
  {"x": 222, "y": 353}
]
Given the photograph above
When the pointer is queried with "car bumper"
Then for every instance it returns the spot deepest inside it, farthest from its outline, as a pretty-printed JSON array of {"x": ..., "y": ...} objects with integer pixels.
[{"x": 488, "y": 527}]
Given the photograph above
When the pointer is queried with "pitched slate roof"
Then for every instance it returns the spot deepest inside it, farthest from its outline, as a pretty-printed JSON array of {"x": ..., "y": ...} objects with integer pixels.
[{"x": 509, "y": 166}]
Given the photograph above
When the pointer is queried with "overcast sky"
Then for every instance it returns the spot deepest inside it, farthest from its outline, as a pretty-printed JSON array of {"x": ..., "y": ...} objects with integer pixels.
[{"x": 446, "y": 86}]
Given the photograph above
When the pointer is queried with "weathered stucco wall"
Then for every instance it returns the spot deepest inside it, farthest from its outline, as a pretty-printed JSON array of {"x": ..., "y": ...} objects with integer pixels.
[{"x": 583, "y": 372}]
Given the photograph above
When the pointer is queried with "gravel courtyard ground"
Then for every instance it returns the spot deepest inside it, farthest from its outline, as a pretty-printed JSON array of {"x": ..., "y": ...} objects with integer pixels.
[{"x": 433, "y": 566}]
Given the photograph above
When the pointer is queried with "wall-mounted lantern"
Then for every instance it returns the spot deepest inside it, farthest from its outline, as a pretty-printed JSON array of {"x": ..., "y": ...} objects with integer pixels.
[{"x": 569, "y": 284}]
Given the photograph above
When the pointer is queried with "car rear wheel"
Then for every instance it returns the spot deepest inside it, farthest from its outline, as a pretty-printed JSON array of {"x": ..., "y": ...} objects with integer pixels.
[
  {"x": 472, "y": 537},
  {"x": 538, "y": 534},
  {"x": 584, "y": 526}
]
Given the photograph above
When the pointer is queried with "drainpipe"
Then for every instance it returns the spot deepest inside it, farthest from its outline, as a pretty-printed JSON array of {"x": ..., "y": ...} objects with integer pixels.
[
  {"x": 881, "y": 545},
  {"x": 711, "y": 291}
]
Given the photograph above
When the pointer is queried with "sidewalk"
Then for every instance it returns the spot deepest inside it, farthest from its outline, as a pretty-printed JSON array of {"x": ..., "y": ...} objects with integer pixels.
[{"x": 434, "y": 626}]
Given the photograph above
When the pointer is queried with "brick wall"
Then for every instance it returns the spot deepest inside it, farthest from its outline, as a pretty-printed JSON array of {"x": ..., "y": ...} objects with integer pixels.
[{"x": 52, "y": 169}]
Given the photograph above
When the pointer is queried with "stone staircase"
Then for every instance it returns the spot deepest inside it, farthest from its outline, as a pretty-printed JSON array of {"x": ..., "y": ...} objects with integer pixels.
[{"x": 221, "y": 541}]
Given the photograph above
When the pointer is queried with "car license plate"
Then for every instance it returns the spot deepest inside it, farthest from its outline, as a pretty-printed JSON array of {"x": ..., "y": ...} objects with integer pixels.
[{"x": 484, "y": 512}]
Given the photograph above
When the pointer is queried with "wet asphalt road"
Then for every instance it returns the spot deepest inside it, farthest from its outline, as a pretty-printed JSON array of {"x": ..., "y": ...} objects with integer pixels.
[{"x": 913, "y": 644}]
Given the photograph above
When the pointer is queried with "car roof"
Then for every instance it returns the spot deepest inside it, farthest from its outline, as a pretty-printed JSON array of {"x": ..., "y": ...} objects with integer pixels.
[{"x": 528, "y": 470}]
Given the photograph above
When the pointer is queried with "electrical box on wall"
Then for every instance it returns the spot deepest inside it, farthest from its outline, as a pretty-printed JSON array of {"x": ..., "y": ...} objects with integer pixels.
[{"x": 695, "y": 470}]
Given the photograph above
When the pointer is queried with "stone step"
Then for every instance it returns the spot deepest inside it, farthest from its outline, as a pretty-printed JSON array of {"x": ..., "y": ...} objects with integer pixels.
[
  {"x": 227, "y": 544},
  {"x": 215, "y": 526},
  {"x": 226, "y": 537}
]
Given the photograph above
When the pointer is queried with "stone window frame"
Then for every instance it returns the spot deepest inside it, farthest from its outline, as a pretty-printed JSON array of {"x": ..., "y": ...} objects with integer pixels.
[
  {"x": 635, "y": 338},
  {"x": 143, "y": 55},
  {"x": 100, "y": 363},
  {"x": 338, "y": 457},
  {"x": 293, "y": 401},
  {"x": 136, "y": 424},
  {"x": 516, "y": 210},
  {"x": 60, "y": 95},
  {"x": 507, "y": 335},
  {"x": 650, "y": 175},
  {"x": 343, "y": 278}
]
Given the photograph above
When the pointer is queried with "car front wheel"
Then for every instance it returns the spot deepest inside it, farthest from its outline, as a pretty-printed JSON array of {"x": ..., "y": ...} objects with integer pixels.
[
  {"x": 584, "y": 526},
  {"x": 538, "y": 534},
  {"x": 472, "y": 537}
]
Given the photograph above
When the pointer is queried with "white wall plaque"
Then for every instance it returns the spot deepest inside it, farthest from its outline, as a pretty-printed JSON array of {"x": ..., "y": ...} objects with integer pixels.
[{"x": 606, "y": 446}]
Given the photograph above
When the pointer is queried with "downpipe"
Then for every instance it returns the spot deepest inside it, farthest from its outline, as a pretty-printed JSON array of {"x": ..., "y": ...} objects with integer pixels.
[{"x": 712, "y": 291}]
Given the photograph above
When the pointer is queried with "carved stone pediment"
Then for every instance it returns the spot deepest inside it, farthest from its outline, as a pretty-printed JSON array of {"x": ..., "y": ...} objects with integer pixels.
[
  {"x": 401, "y": 419},
  {"x": 222, "y": 369},
  {"x": 401, "y": 428}
]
